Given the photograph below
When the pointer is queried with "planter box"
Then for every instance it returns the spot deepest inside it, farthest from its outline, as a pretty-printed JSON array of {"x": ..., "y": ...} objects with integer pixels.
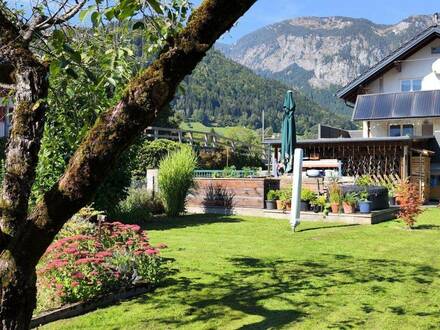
[{"x": 237, "y": 192}]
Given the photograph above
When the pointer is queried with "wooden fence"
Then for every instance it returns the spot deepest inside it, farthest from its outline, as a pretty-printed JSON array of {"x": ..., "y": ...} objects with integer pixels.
[{"x": 204, "y": 139}]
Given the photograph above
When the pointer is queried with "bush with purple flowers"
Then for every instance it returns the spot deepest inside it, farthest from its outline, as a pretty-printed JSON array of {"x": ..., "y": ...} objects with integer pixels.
[{"x": 106, "y": 258}]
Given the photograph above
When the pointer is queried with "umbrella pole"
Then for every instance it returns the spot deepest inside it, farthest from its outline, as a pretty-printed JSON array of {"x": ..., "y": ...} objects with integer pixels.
[{"x": 296, "y": 188}]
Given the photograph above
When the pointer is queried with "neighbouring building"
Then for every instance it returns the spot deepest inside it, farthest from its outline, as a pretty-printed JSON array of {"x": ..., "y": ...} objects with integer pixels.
[{"x": 396, "y": 105}]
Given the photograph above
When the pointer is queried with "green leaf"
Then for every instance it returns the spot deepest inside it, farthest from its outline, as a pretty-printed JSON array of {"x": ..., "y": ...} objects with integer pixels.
[
  {"x": 138, "y": 25},
  {"x": 72, "y": 73},
  {"x": 156, "y": 6},
  {"x": 109, "y": 13},
  {"x": 111, "y": 81},
  {"x": 73, "y": 54},
  {"x": 96, "y": 18},
  {"x": 54, "y": 68}
]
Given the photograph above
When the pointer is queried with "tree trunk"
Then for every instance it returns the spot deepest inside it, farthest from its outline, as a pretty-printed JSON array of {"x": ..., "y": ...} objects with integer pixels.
[
  {"x": 113, "y": 132},
  {"x": 23, "y": 145},
  {"x": 18, "y": 294}
]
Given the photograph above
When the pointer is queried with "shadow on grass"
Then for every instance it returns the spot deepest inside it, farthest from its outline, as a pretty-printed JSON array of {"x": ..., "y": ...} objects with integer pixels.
[
  {"x": 427, "y": 227},
  {"x": 328, "y": 227},
  {"x": 165, "y": 223},
  {"x": 276, "y": 292}
]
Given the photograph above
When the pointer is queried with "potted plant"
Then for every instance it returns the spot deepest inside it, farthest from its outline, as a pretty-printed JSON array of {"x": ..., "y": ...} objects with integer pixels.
[
  {"x": 335, "y": 197},
  {"x": 349, "y": 202},
  {"x": 319, "y": 204},
  {"x": 271, "y": 198},
  {"x": 364, "y": 203},
  {"x": 286, "y": 199},
  {"x": 307, "y": 197},
  {"x": 391, "y": 194}
]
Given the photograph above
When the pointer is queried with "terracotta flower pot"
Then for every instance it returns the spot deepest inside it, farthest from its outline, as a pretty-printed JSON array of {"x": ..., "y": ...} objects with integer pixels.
[
  {"x": 335, "y": 207},
  {"x": 279, "y": 204},
  {"x": 288, "y": 205},
  {"x": 348, "y": 208}
]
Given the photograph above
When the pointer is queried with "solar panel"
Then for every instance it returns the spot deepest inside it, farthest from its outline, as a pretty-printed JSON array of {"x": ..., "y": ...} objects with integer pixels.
[
  {"x": 422, "y": 104},
  {"x": 364, "y": 107},
  {"x": 397, "y": 105},
  {"x": 383, "y": 107},
  {"x": 403, "y": 105}
]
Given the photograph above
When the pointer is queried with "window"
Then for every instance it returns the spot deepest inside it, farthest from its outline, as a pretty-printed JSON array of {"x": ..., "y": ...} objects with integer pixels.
[
  {"x": 416, "y": 85},
  {"x": 411, "y": 85},
  {"x": 435, "y": 50},
  {"x": 401, "y": 130},
  {"x": 395, "y": 130},
  {"x": 405, "y": 85},
  {"x": 408, "y": 130}
]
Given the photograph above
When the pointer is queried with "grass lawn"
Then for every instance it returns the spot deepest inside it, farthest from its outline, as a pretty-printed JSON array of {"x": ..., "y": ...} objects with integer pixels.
[{"x": 251, "y": 273}]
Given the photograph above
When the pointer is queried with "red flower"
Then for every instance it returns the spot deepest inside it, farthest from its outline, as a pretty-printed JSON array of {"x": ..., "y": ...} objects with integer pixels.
[{"x": 75, "y": 284}]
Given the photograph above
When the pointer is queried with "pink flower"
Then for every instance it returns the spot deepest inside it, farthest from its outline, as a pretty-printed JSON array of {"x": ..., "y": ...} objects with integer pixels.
[
  {"x": 104, "y": 254},
  {"x": 75, "y": 284},
  {"x": 83, "y": 261},
  {"x": 78, "y": 275},
  {"x": 151, "y": 252}
]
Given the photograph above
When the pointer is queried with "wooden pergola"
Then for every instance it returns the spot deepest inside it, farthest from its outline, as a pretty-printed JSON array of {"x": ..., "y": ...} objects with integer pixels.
[{"x": 359, "y": 156}]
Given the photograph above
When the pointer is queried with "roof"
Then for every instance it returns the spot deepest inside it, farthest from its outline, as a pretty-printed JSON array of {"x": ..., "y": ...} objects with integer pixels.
[
  {"x": 356, "y": 140},
  {"x": 418, "y": 104},
  {"x": 349, "y": 92}
]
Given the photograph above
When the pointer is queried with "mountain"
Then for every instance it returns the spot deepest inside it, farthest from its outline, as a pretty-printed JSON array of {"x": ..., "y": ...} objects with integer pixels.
[
  {"x": 318, "y": 55},
  {"x": 221, "y": 92}
]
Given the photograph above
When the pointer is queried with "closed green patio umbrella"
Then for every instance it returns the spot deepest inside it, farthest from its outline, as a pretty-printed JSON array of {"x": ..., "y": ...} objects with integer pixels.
[{"x": 288, "y": 132}]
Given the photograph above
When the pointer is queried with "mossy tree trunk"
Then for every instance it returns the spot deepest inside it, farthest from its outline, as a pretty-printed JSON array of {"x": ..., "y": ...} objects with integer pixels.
[
  {"x": 26, "y": 240},
  {"x": 29, "y": 79}
]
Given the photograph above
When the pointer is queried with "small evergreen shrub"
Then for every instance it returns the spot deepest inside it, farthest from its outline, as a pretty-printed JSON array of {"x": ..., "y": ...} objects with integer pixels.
[
  {"x": 176, "y": 178},
  {"x": 135, "y": 208},
  {"x": 149, "y": 154}
]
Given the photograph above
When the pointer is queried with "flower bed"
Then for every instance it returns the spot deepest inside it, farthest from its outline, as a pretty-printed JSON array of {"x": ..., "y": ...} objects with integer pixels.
[{"x": 94, "y": 260}]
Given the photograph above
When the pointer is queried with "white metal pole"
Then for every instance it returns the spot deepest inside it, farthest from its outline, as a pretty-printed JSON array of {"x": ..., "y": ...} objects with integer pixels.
[{"x": 296, "y": 188}]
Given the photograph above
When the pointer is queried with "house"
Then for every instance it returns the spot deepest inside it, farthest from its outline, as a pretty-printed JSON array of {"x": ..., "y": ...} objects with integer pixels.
[{"x": 396, "y": 105}]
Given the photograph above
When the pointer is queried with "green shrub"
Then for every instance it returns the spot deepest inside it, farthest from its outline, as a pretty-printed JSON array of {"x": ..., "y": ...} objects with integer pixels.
[
  {"x": 307, "y": 195},
  {"x": 365, "y": 180},
  {"x": 272, "y": 195},
  {"x": 285, "y": 194},
  {"x": 149, "y": 154},
  {"x": 176, "y": 178},
  {"x": 135, "y": 208},
  {"x": 350, "y": 198}
]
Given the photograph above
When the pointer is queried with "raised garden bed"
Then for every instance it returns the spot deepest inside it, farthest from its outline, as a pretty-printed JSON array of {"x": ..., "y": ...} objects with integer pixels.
[{"x": 231, "y": 192}]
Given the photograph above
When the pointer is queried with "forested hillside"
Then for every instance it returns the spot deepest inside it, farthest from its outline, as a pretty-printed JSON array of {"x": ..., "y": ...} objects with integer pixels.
[
  {"x": 319, "y": 55},
  {"x": 221, "y": 92}
]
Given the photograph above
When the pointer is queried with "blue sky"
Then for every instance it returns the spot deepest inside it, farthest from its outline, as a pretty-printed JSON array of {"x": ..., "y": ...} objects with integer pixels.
[{"x": 266, "y": 12}]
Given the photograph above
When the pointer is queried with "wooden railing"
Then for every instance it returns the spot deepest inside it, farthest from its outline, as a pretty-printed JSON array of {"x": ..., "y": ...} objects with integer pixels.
[{"x": 205, "y": 139}]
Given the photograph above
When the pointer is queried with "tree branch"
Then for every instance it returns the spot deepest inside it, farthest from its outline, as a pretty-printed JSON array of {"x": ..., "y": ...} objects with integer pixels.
[
  {"x": 117, "y": 128},
  {"x": 7, "y": 86},
  {"x": 41, "y": 23},
  {"x": 55, "y": 19}
]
